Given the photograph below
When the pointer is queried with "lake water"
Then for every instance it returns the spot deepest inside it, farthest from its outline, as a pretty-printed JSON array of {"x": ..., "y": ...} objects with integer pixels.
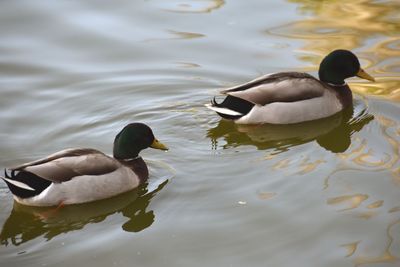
[{"x": 324, "y": 193}]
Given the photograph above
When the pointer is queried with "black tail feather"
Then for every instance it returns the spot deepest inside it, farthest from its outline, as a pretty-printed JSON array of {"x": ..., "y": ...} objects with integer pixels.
[
  {"x": 233, "y": 103},
  {"x": 37, "y": 183},
  {"x": 6, "y": 174},
  {"x": 214, "y": 102}
]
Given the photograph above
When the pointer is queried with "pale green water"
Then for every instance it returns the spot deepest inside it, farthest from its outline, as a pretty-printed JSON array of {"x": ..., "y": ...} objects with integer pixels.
[{"x": 325, "y": 193}]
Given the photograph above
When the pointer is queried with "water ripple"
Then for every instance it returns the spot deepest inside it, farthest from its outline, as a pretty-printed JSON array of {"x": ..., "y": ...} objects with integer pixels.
[{"x": 190, "y": 6}]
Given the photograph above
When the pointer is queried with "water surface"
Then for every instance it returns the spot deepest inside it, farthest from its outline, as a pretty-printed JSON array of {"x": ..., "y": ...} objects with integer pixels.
[{"x": 323, "y": 193}]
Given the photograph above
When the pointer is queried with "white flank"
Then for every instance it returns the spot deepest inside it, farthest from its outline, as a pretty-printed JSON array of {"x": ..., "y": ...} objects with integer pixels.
[
  {"x": 85, "y": 188},
  {"x": 223, "y": 110},
  {"x": 18, "y": 184},
  {"x": 294, "y": 112}
]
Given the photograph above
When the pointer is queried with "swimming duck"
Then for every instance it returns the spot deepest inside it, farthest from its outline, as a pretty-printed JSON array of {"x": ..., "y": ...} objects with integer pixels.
[
  {"x": 81, "y": 175},
  {"x": 293, "y": 97}
]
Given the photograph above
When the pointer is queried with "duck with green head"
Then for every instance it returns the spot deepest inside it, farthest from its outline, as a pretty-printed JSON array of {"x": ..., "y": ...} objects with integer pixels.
[
  {"x": 81, "y": 175},
  {"x": 293, "y": 97}
]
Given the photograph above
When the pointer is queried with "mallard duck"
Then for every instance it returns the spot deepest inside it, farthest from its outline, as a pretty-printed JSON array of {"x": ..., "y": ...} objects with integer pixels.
[
  {"x": 293, "y": 97},
  {"x": 80, "y": 175}
]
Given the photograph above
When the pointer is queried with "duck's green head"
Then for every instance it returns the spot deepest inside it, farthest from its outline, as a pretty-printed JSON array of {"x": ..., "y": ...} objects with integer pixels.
[
  {"x": 339, "y": 65},
  {"x": 134, "y": 138}
]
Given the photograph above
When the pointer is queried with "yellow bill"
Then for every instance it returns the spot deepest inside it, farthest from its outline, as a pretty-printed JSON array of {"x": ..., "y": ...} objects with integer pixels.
[
  {"x": 362, "y": 74},
  {"x": 158, "y": 145}
]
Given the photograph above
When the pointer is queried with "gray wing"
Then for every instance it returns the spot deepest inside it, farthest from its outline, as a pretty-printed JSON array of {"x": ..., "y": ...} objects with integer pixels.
[
  {"x": 278, "y": 87},
  {"x": 67, "y": 164}
]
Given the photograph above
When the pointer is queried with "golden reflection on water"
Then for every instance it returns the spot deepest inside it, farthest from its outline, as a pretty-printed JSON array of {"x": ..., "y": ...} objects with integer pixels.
[
  {"x": 367, "y": 215},
  {"x": 351, "y": 202},
  {"x": 266, "y": 195},
  {"x": 395, "y": 209},
  {"x": 281, "y": 164},
  {"x": 351, "y": 248},
  {"x": 361, "y": 157},
  {"x": 387, "y": 125},
  {"x": 371, "y": 29},
  {"x": 186, "y": 35},
  {"x": 177, "y": 35},
  {"x": 364, "y": 156},
  {"x": 386, "y": 256},
  {"x": 307, "y": 167},
  {"x": 375, "y": 205}
]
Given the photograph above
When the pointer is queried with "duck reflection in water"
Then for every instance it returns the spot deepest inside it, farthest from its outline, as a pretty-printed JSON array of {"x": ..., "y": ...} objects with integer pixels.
[
  {"x": 26, "y": 223},
  {"x": 332, "y": 133}
]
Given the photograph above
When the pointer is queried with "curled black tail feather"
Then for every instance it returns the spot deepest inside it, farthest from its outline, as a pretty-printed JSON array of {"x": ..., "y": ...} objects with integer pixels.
[
  {"x": 6, "y": 174},
  {"x": 30, "y": 179},
  {"x": 214, "y": 102},
  {"x": 233, "y": 103}
]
